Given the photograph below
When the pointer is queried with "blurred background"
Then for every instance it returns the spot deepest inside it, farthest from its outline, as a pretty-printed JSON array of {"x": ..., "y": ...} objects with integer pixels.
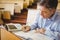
[{"x": 17, "y": 11}]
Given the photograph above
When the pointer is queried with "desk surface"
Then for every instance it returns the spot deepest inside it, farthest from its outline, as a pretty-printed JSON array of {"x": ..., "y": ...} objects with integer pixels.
[{"x": 5, "y": 35}]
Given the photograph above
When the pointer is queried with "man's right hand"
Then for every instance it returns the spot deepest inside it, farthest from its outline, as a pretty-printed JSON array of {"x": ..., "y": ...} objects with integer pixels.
[{"x": 25, "y": 28}]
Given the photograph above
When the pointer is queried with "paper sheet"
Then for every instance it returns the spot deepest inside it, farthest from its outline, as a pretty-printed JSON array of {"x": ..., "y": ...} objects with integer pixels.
[{"x": 31, "y": 35}]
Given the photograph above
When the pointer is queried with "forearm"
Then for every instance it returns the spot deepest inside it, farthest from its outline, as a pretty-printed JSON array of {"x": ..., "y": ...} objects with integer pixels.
[
  {"x": 52, "y": 34},
  {"x": 33, "y": 27}
]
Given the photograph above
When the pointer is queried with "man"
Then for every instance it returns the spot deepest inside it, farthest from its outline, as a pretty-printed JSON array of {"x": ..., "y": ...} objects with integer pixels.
[{"x": 47, "y": 21}]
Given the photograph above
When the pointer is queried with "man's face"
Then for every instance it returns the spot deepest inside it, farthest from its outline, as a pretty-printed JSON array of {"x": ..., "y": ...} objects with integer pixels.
[{"x": 45, "y": 12}]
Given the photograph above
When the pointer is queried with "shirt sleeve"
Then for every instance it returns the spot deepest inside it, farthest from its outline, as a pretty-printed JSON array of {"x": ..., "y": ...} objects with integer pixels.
[
  {"x": 53, "y": 34},
  {"x": 35, "y": 23}
]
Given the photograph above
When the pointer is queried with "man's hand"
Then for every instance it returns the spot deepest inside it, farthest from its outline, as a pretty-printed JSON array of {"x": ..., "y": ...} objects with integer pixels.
[
  {"x": 25, "y": 28},
  {"x": 42, "y": 30}
]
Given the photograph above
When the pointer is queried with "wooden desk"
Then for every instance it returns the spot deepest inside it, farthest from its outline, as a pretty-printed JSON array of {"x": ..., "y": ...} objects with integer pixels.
[{"x": 5, "y": 35}]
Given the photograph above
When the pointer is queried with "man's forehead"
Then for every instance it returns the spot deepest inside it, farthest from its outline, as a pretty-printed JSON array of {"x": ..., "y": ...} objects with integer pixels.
[{"x": 43, "y": 8}]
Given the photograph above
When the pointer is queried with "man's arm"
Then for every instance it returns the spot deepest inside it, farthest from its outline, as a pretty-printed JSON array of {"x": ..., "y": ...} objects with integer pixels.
[
  {"x": 35, "y": 23},
  {"x": 50, "y": 33},
  {"x": 33, "y": 26},
  {"x": 53, "y": 34}
]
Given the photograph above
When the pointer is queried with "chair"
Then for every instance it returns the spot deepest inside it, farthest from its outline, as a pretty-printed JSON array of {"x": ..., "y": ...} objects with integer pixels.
[
  {"x": 6, "y": 15},
  {"x": 31, "y": 1},
  {"x": 26, "y": 3},
  {"x": 18, "y": 6},
  {"x": 1, "y": 21}
]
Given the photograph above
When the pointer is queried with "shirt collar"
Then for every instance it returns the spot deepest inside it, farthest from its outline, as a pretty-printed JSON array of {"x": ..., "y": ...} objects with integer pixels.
[{"x": 53, "y": 17}]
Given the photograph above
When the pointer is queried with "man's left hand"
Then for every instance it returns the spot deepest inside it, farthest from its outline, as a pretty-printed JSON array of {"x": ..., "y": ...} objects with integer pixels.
[{"x": 42, "y": 30}]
